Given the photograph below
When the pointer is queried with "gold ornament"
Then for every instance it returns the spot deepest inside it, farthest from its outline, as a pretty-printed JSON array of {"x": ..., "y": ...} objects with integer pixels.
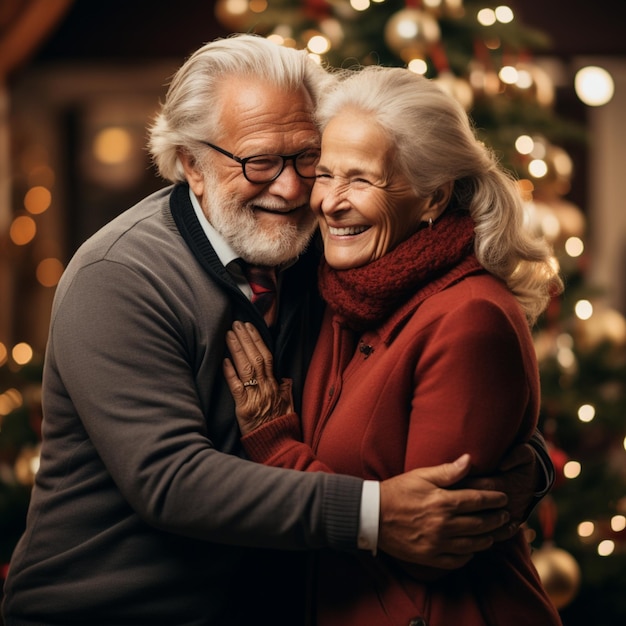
[
  {"x": 557, "y": 220},
  {"x": 410, "y": 32},
  {"x": 605, "y": 326},
  {"x": 559, "y": 573},
  {"x": 445, "y": 8},
  {"x": 558, "y": 177},
  {"x": 234, "y": 14},
  {"x": 533, "y": 84},
  {"x": 457, "y": 87},
  {"x": 484, "y": 82}
]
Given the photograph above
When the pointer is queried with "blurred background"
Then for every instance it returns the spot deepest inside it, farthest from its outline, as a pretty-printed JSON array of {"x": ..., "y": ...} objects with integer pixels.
[{"x": 544, "y": 81}]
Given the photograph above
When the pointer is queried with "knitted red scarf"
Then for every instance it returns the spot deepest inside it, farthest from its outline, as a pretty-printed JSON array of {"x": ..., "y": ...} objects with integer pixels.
[{"x": 367, "y": 295}]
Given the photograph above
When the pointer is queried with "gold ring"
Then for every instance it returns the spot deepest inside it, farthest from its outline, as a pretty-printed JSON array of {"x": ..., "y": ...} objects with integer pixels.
[{"x": 251, "y": 383}]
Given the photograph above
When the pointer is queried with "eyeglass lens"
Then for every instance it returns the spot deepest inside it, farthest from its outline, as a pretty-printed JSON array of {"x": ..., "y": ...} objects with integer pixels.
[{"x": 266, "y": 167}]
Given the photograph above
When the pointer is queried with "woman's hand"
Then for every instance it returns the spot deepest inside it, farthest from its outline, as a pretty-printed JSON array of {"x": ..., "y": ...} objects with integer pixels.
[{"x": 259, "y": 398}]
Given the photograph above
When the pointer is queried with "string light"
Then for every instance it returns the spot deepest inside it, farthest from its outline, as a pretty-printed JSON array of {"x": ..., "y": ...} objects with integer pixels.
[
  {"x": 23, "y": 230},
  {"x": 524, "y": 144},
  {"x": 538, "y": 168},
  {"x": 360, "y": 5},
  {"x": 486, "y": 17},
  {"x": 112, "y": 145},
  {"x": 418, "y": 66},
  {"x": 318, "y": 44},
  {"x": 504, "y": 14},
  {"x": 572, "y": 469},
  {"x": 586, "y": 413},
  {"x": 37, "y": 200},
  {"x": 583, "y": 309},
  {"x": 606, "y": 547},
  {"x": 49, "y": 272},
  {"x": 10, "y": 400},
  {"x": 574, "y": 246},
  {"x": 594, "y": 85},
  {"x": 22, "y": 353},
  {"x": 586, "y": 529}
]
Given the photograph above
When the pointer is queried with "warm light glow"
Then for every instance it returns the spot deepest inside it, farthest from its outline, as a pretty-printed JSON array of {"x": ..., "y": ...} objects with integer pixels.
[
  {"x": 486, "y": 17},
  {"x": 606, "y": 547},
  {"x": 572, "y": 469},
  {"x": 112, "y": 145},
  {"x": 236, "y": 7},
  {"x": 22, "y": 353},
  {"x": 594, "y": 85},
  {"x": 4, "y": 353},
  {"x": 37, "y": 200},
  {"x": 539, "y": 150},
  {"x": 258, "y": 6},
  {"x": 586, "y": 529},
  {"x": 504, "y": 14},
  {"x": 618, "y": 523},
  {"x": 508, "y": 75},
  {"x": 493, "y": 43},
  {"x": 586, "y": 413},
  {"x": 49, "y": 272},
  {"x": 537, "y": 168},
  {"x": 566, "y": 358},
  {"x": 418, "y": 66},
  {"x": 10, "y": 400},
  {"x": 318, "y": 44},
  {"x": 524, "y": 79},
  {"x": 41, "y": 175},
  {"x": 524, "y": 144},
  {"x": 23, "y": 230},
  {"x": 583, "y": 309},
  {"x": 574, "y": 246},
  {"x": 360, "y": 5},
  {"x": 550, "y": 226},
  {"x": 565, "y": 340}
]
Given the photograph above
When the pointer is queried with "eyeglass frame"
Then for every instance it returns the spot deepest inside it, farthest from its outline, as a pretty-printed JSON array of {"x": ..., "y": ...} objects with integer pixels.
[{"x": 244, "y": 160}]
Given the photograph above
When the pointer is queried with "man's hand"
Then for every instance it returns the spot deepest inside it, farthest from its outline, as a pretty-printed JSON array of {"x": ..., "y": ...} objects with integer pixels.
[
  {"x": 423, "y": 522},
  {"x": 518, "y": 477}
]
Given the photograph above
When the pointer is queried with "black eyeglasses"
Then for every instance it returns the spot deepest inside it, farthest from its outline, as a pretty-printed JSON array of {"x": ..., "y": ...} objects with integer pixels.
[{"x": 264, "y": 168}]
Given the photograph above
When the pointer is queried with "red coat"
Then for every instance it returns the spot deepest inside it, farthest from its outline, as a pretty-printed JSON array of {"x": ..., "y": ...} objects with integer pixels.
[{"x": 452, "y": 371}]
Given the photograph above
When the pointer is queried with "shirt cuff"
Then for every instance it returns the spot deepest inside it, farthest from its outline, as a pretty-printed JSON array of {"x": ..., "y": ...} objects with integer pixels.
[{"x": 370, "y": 515}]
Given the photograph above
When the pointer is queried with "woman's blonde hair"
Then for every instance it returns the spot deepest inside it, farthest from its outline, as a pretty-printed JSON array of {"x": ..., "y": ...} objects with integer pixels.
[
  {"x": 190, "y": 112},
  {"x": 435, "y": 144}
]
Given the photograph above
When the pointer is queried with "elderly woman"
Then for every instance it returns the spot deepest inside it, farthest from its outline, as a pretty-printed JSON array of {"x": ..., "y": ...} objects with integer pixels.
[{"x": 425, "y": 353}]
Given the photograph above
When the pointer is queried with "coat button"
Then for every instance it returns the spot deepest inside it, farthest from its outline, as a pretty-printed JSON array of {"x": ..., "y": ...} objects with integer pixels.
[{"x": 418, "y": 621}]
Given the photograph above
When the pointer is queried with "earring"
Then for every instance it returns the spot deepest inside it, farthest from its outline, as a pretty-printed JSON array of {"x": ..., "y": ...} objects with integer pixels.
[{"x": 430, "y": 223}]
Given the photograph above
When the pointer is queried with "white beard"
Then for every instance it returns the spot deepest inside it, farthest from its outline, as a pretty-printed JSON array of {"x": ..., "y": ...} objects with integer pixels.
[{"x": 250, "y": 240}]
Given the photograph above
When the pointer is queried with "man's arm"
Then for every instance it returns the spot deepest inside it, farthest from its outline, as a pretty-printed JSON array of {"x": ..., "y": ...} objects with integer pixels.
[{"x": 424, "y": 522}]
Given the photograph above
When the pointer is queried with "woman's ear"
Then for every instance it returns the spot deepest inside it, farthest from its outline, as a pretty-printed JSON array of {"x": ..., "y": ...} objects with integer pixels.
[
  {"x": 440, "y": 200},
  {"x": 193, "y": 174}
]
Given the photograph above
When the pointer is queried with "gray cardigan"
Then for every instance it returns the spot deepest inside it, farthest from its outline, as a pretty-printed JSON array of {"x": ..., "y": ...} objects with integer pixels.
[{"x": 144, "y": 511}]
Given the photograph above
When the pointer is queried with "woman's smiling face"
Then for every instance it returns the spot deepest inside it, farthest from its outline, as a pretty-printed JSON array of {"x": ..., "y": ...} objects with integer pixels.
[{"x": 365, "y": 206}]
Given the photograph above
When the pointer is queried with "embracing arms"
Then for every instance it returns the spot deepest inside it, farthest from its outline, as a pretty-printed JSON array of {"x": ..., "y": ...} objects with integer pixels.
[{"x": 452, "y": 524}]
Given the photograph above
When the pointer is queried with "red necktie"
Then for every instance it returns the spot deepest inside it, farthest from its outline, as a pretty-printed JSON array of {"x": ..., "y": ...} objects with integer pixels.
[{"x": 262, "y": 281}]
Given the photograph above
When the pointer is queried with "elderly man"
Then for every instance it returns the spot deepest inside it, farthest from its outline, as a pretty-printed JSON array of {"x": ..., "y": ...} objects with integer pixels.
[{"x": 144, "y": 509}]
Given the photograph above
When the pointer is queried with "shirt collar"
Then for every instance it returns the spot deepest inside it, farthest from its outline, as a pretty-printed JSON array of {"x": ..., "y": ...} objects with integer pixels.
[{"x": 222, "y": 248}]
